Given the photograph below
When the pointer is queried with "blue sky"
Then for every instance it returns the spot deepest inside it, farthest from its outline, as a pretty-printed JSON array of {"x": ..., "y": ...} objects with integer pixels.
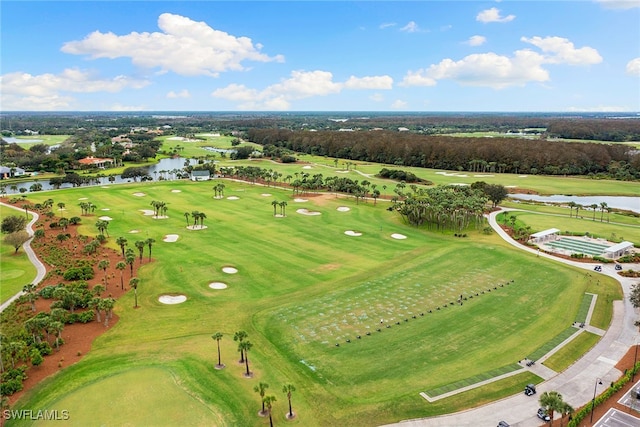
[{"x": 539, "y": 56}]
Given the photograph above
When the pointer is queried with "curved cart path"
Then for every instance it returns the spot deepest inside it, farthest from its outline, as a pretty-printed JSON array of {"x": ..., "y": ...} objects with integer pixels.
[
  {"x": 40, "y": 268},
  {"x": 576, "y": 383}
]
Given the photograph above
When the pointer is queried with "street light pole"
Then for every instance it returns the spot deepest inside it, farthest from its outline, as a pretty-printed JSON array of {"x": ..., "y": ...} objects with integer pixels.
[{"x": 593, "y": 401}]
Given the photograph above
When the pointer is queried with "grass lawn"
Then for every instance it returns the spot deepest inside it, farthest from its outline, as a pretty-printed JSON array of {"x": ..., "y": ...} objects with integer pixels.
[
  {"x": 569, "y": 353},
  {"x": 302, "y": 285},
  {"x": 16, "y": 268}
]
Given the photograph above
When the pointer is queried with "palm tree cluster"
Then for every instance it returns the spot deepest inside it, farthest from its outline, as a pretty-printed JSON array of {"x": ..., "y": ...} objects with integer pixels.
[
  {"x": 594, "y": 207},
  {"x": 442, "y": 207},
  {"x": 159, "y": 208},
  {"x": 218, "y": 190},
  {"x": 552, "y": 402},
  {"x": 198, "y": 217},
  {"x": 282, "y": 205},
  {"x": 87, "y": 207}
]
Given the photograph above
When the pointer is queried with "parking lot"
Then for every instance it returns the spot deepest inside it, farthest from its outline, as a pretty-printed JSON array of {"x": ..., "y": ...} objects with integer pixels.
[
  {"x": 615, "y": 418},
  {"x": 630, "y": 398}
]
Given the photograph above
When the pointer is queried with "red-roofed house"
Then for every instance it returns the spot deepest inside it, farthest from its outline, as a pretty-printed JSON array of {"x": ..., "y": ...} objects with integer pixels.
[{"x": 95, "y": 161}]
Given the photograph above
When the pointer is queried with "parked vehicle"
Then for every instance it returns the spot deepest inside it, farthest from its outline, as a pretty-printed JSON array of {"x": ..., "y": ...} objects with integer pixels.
[
  {"x": 503, "y": 424},
  {"x": 530, "y": 389},
  {"x": 542, "y": 414},
  {"x": 618, "y": 267},
  {"x": 598, "y": 268}
]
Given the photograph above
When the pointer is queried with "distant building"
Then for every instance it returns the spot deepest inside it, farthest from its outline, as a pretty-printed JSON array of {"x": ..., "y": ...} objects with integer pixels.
[
  {"x": 200, "y": 175},
  {"x": 95, "y": 161},
  {"x": 10, "y": 172}
]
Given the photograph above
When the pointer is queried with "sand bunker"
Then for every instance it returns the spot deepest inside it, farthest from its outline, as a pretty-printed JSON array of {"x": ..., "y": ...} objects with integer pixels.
[
  {"x": 297, "y": 200},
  {"x": 233, "y": 198},
  {"x": 105, "y": 209},
  {"x": 104, "y": 186},
  {"x": 398, "y": 236},
  {"x": 481, "y": 176},
  {"x": 159, "y": 217},
  {"x": 105, "y": 218},
  {"x": 196, "y": 227},
  {"x": 217, "y": 285},
  {"x": 343, "y": 209},
  {"x": 229, "y": 270},
  {"x": 147, "y": 212},
  {"x": 522, "y": 176},
  {"x": 307, "y": 167},
  {"x": 170, "y": 238},
  {"x": 460, "y": 184},
  {"x": 352, "y": 233},
  {"x": 266, "y": 195},
  {"x": 308, "y": 212},
  {"x": 83, "y": 198},
  {"x": 176, "y": 191},
  {"x": 342, "y": 171},
  {"x": 172, "y": 299},
  {"x": 139, "y": 194},
  {"x": 134, "y": 231},
  {"x": 463, "y": 175}
]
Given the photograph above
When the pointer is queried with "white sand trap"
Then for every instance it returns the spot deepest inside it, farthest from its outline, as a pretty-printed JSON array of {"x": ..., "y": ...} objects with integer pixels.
[
  {"x": 83, "y": 198},
  {"x": 176, "y": 191},
  {"x": 105, "y": 209},
  {"x": 229, "y": 270},
  {"x": 171, "y": 238},
  {"x": 342, "y": 171},
  {"x": 510, "y": 186},
  {"x": 196, "y": 227},
  {"x": 343, "y": 209},
  {"x": 172, "y": 299},
  {"x": 233, "y": 198},
  {"x": 460, "y": 184},
  {"x": 147, "y": 212},
  {"x": 307, "y": 167},
  {"x": 308, "y": 212},
  {"x": 398, "y": 236},
  {"x": 217, "y": 285},
  {"x": 266, "y": 194},
  {"x": 106, "y": 218},
  {"x": 218, "y": 197},
  {"x": 175, "y": 138},
  {"x": 139, "y": 194},
  {"x": 279, "y": 216},
  {"x": 352, "y": 233},
  {"x": 523, "y": 176},
  {"x": 482, "y": 176},
  {"x": 104, "y": 186},
  {"x": 134, "y": 231},
  {"x": 297, "y": 200},
  {"x": 160, "y": 217}
]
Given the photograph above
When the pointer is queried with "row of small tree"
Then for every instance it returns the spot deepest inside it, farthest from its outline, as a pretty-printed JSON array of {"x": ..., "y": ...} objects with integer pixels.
[{"x": 244, "y": 345}]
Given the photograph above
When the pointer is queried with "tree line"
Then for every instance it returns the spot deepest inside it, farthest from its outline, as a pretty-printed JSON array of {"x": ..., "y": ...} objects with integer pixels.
[{"x": 486, "y": 155}]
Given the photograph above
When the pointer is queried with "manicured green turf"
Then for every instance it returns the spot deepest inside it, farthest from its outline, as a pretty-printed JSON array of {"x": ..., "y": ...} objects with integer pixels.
[
  {"x": 302, "y": 285},
  {"x": 552, "y": 343},
  {"x": 16, "y": 269},
  {"x": 572, "y": 351},
  {"x": 583, "y": 311}
]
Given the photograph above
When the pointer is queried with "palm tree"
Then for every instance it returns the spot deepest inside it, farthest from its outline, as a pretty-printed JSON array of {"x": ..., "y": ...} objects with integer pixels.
[
  {"x": 288, "y": 389},
  {"x": 603, "y": 207},
  {"x": 107, "y": 306},
  {"x": 245, "y": 346},
  {"x": 268, "y": 401},
  {"x": 103, "y": 265},
  {"x": 202, "y": 217},
  {"x": 186, "y": 216},
  {"x": 283, "y": 205},
  {"x": 56, "y": 327},
  {"x": 133, "y": 283},
  {"x": 565, "y": 409},
  {"x": 102, "y": 226},
  {"x": 130, "y": 258},
  {"x": 261, "y": 389},
  {"x": 594, "y": 206},
  {"x": 122, "y": 242},
  {"x": 140, "y": 245},
  {"x": 240, "y": 336},
  {"x": 150, "y": 243},
  {"x": 274, "y": 204},
  {"x": 121, "y": 266},
  {"x": 61, "y": 207},
  {"x": 31, "y": 295},
  {"x": 551, "y": 401},
  {"x": 218, "y": 336}
]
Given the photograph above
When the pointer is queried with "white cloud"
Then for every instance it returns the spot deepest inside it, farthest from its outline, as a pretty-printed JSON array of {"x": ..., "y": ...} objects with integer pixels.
[
  {"x": 411, "y": 27},
  {"x": 600, "y": 109},
  {"x": 369, "y": 82},
  {"x": 417, "y": 78},
  {"x": 633, "y": 67},
  {"x": 182, "y": 94},
  {"x": 398, "y": 104},
  {"x": 619, "y": 4},
  {"x": 386, "y": 25},
  {"x": 70, "y": 80},
  {"x": 184, "y": 46},
  {"x": 486, "y": 69},
  {"x": 377, "y": 97},
  {"x": 476, "y": 40},
  {"x": 121, "y": 107},
  {"x": 563, "y": 51},
  {"x": 300, "y": 85},
  {"x": 493, "y": 15},
  {"x": 36, "y": 103}
]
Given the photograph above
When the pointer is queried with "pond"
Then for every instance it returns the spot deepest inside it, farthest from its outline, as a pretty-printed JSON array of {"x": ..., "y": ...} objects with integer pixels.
[{"x": 616, "y": 202}]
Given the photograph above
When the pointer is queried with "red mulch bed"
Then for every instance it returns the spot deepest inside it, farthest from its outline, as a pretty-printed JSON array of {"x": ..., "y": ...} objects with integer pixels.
[{"x": 77, "y": 337}]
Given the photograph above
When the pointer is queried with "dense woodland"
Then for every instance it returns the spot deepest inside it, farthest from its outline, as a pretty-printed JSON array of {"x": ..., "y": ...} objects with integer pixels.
[{"x": 530, "y": 156}]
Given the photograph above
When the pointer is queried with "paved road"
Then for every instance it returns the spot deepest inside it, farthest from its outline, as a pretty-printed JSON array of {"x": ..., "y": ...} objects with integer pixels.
[
  {"x": 40, "y": 268},
  {"x": 576, "y": 384}
]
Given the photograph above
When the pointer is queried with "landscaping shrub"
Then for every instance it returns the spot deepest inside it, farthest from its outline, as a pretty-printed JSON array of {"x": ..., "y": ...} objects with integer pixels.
[{"x": 79, "y": 273}]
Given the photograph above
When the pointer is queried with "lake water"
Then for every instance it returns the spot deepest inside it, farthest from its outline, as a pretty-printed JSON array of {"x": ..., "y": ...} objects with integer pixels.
[
  {"x": 12, "y": 140},
  {"x": 617, "y": 202}
]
